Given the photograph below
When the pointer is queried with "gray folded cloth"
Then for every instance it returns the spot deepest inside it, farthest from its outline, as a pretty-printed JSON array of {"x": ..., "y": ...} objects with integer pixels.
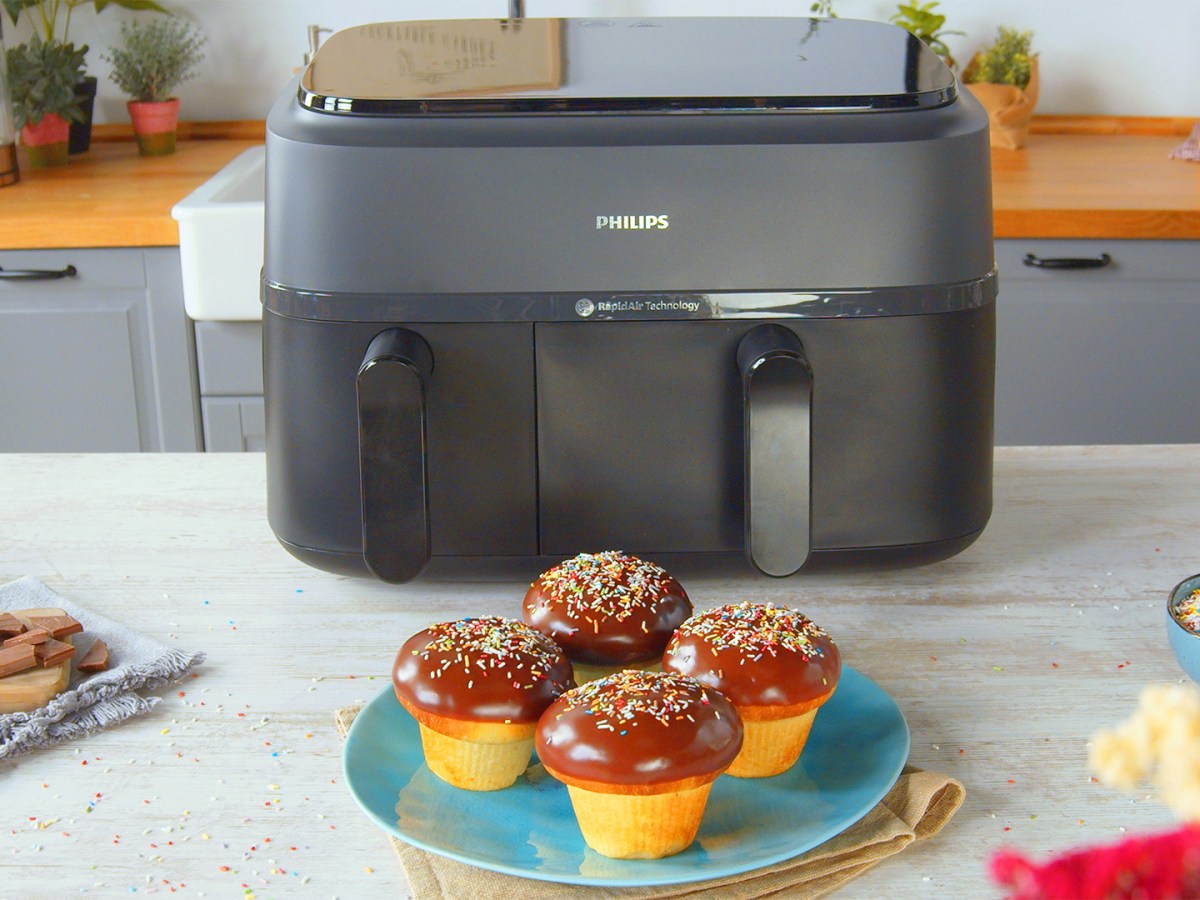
[{"x": 91, "y": 701}]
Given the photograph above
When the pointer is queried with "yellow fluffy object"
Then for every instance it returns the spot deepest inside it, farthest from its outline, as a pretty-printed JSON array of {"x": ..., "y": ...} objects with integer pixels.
[{"x": 1158, "y": 745}]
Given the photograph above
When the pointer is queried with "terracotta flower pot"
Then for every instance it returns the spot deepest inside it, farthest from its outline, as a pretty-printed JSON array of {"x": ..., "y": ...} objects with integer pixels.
[
  {"x": 46, "y": 141},
  {"x": 154, "y": 125}
]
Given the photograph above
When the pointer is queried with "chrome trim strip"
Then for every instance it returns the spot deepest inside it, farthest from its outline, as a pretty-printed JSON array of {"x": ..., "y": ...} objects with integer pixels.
[
  {"x": 649, "y": 306},
  {"x": 623, "y": 106}
]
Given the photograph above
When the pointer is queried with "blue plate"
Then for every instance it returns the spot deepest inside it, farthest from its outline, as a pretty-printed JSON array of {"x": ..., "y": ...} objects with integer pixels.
[{"x": 857, "y": 748}]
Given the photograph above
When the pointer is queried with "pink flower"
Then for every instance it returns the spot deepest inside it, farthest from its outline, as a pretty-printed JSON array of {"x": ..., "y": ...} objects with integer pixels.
[{"x": 1150, "y": 867}]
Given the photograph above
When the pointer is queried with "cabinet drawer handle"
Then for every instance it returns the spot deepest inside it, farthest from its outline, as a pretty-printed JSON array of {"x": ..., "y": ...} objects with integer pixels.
[
  {"x": 1068, "y": 262},
  {"x": 36, "y": 274}
]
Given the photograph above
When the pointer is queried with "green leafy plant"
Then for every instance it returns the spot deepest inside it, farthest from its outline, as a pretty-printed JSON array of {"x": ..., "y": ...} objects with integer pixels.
[
  {"x": 1007, "y": 61},
  {"x": 823, "y": 8},
  {"x": 922, "y": 21},
  {"x": 155, "y": 58},
  {"x": 46, "y": 15},
  {"x": 43, "y": 76}
]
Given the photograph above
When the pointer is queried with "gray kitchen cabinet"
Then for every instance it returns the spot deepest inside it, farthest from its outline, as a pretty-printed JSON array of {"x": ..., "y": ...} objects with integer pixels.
[
  {"x": 229, "y": 358},
  {"x": 233, "y": 424},
  {"x": 100, "y": 360},
  {"x": 1103, "y": 355}
]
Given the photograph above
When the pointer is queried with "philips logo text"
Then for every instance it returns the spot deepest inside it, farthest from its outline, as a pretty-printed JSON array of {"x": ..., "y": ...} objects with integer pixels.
[{"x": 632, "y": 223}]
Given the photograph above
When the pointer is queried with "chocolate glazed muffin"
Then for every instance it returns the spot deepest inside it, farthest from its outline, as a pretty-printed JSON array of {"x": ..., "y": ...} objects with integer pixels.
[
  {"x": 608, "y": 611},
  {"x": 775, "y": 664},
  {"x": 639, "y": 752},
  {"x": 477, "y": 688}
]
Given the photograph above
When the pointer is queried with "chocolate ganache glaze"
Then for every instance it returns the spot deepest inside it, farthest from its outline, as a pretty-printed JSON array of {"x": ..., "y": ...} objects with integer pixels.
[
  {"x": 607, "y": 608},
  {"x": 757, "y": 654},
  {"x": 638, "y": 728},
  {"x": 487, "y": 669}
]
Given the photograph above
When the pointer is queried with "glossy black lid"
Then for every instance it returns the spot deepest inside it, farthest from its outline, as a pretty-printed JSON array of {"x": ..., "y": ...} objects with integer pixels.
[{"x": 655, "y": 65}]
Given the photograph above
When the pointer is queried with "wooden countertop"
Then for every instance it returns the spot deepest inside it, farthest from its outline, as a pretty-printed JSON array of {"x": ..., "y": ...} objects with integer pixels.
[
  {"x": 1077, "y": 178},
  {"x": 1095, "y": 186},
  {"x": 1004, "y": 660},
  {"x": 108, "y": 196}
]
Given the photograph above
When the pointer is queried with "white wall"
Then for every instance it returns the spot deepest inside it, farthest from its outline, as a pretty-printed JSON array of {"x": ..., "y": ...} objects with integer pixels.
[{"x": 1098, "y": 57}]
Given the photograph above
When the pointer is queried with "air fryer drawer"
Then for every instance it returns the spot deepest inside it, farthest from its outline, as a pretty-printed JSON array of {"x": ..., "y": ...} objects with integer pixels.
[
  {"x": 641, "y": 443},
  {"x": 481, "y": 467},
  {"x": 639, "y": 436}
]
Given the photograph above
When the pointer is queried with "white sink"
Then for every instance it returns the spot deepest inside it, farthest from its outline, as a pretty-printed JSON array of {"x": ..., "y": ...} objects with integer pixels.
[{"x": 221, "y": 241}]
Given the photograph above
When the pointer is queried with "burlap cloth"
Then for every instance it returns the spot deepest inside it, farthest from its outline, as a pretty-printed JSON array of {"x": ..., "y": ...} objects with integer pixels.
[{"x": 915, "y": 809}]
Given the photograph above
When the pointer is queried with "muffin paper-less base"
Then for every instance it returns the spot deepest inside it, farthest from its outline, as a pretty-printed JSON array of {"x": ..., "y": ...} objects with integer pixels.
[
  {"x": 771, "y": 746},
  {"x": 639, "y": 826},
  {"x": 477, "y": 765}
]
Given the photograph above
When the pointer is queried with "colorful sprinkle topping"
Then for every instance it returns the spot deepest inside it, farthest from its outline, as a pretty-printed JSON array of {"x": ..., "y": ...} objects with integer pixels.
[
  {"x": 617, "y": 702},
  {"x": 609, "y": 584},
  {"x": 757, "y": 629},
  {"x": 489, "y": 643},
  {"x": 1187, "y": 611}
]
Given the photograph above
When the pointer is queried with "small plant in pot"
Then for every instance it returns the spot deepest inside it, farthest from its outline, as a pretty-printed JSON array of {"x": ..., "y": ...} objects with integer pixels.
[
  {"x": 1004, "y": 78},
  {"x": 152, "y": 61},
  {"x": 51, "y": 20},
  {"x": 42, "y": 77}
]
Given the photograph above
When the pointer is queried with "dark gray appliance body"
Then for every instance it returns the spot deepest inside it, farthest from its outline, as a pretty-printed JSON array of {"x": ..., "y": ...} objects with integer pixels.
[{"x": 499, "y": 329}]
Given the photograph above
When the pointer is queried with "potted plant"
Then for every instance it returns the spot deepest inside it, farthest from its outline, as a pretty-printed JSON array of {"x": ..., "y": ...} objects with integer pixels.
[
  {"x": 1004, "y": 78},
  {"x": 51, "y": 20},
  {"x": 42, "y": 77},
  {"x": 923, "y": 22},
  {"x": 152, "y": 61}
]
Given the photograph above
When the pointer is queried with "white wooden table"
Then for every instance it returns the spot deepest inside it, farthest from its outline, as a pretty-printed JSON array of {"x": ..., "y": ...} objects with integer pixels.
[{"x": 1004, "y": 660}]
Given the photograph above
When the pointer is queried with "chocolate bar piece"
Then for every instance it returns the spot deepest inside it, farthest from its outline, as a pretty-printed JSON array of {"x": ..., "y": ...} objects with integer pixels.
[
  {"x": 96, "y": 659},
  {"x": 32, "y": 636},
  {"x": 53, "y": 652},
  {"x": 17, "y": 659},
  {"x": 10, "y": 626},
  {"x": 58, "y": 626}
]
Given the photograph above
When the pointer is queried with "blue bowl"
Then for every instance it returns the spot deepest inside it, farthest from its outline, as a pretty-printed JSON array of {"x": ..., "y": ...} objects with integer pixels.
[{"x": 1185, "y": 644}]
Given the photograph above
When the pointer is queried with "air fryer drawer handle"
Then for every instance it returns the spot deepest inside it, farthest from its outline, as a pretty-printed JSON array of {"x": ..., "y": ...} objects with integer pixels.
[
  {"x": 1067, "y": 262},
  {"x": 777, "y": 429},
  {"x": 37, "y": 274},
  {"x": 391, "y": 454}
]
